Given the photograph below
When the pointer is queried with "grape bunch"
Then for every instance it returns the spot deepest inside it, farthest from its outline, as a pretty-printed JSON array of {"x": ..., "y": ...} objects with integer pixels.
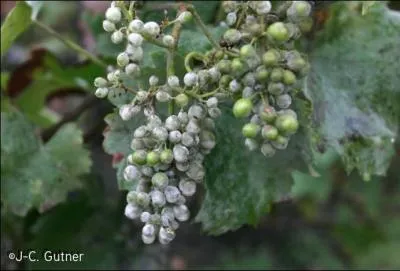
[
  {"x": 267, "y": 70},
  {"x": 254, "y": 66}
]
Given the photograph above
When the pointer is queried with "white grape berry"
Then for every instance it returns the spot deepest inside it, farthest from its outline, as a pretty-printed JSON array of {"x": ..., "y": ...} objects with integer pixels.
[
  {"x": 113, "y": 14},
  {"x": 173, "y": 81},
  {"x": 175, "y": 136},
  {"x": 172, "y": 194},
  {"x": 168, "y": 40},
  {"x": 132, "y": 69},
  {"x": 153, "y": 80},
  {"x": 172, "y": 123},
  {"x": 231, "y": 18},
  {"x": 117, "y": 37},
  {"x": 212, "y": 102},
  {"x": 136, "y": 55},
  {"x": 196, "y": 171},
  {"x": 132, "y": 211},
  {"x": 181, "y": 212},
  {"x": 183, "y": 117},
  {"x": 108, "y": 26},
  {"x": 163, "y": 96},
  {"x": 193, "y": 126},
  {"x": 157, "y": 198},
  {"x": 140, "y": 131},
  {"x": 187, "y": 139},
  {"x": 136, "y": 25},
  {"x": 101, "y": 92},
  {"x": 151, "y": 28},
  {"x": 131, "y": 173},
  {"x": 181, "y": 153},
  {"x": 190, "y": 79},
  {"x": 145, "y": 217},
  {"x": 283, "y": 101},
  {"x": 126, "y": 112},
  {"x": 149, "y": 230},
  {"x": 100, "y": 82},
  {"x": 135, "y": 39},
  {"x": 263, "y": 7},
  {"x": 160, "y": 133},
  {"x": 187, "y": 187},
  {"x": 196, "y": 111}
]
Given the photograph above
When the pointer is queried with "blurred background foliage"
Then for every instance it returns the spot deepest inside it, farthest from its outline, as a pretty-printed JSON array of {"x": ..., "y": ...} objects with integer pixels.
[{"x": 333, "y": 220}]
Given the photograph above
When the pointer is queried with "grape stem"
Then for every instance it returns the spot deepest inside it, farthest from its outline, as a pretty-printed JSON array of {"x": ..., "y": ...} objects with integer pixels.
[
  {"x": 189, "y": 57},
  {"x": 69, "y": 43},
  {"x": 202, "y": 26}
]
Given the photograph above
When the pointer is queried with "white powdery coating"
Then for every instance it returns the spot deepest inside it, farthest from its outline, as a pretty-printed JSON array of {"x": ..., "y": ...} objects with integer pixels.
[
  {"x": 172, "y": 123},
  {"x": 100, "y": 82},
  {"x": 247, "y": 92},
  {"x": 151, "y": 28},
  {"x": 140, "y": 131},
  {"x": 135, "y": 39},
  {"x": 263, "y": 7},
  {"x": 132, "y": 211},
  {"x": 117, "y": 37},
  {"x": 136, "y": 55},
  {"x": 113, "y": 14},
  {"x": 172, "y": 194},
  {"x": 193, "y": 127},
  {"x": 149, "y": 230},
  {"x": 181, "y": 212},
  {"x": 184, "y": 17},
  {"x": 284, "y": 101},
  {"x": 163, "y": 96},
  {"x": 141, "y": 96},
  {"x": 131, "y": 173},
  {"x": 153, "y": 80},
  {"x": 157, "y": 198},
  {"x": 168, "y": 40},
  {"x": 160, "y": 133},
  {"x": 132, "y": 69},
  {"x": 184, "y": 166},
  {"x": 165, "y": 235},
  {"x": 196, "y": 171},
  {"x": 183, "y": 117},
  {"x": 187, "y": 187},
  {"x": 126, "y": 112},
  {"x": 214, "y": 112},
  {"x": 173, "y": 81},
  {"x": 108, "y": 26},
  {"x": 212, "y": 102},
  {"x": 190, "y": 79},
  {"x": 267, "y": 150},
  {"x": 196, "y": 111},
  {"x": 234, "y": 86},
  {"x": 231, "y": 18},
  {"x": 215, "y": 74},
  {"x": 145, "y": 217},
  {"x": 136, "y": 25},
  {"x": 181, "y": 153},
  {"x": 175, "y": 136},
  {"x": 101, "y": 92},
  {"x": 148, "y": 239},
  {"x": 160, "y": 180}
]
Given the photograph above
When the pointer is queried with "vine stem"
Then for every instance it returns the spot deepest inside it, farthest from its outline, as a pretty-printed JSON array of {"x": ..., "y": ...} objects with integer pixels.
[
  {"x": 69, "y": 43},
  {"x": 176, "y": 31},
  {"x": 202, "y": 26}
]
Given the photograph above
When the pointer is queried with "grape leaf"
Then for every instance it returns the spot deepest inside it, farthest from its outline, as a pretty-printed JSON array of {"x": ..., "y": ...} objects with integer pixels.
[
  {"x": 241, "y": 184},
  {"x": 354, "y": 83},
  {"x": 37, "y": 175},
  {"x": 16, "y": 22}
]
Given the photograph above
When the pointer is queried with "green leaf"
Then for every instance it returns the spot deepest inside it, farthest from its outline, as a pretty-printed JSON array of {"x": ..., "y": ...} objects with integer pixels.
[
  {"x": 36, "y": 175},
  {"x": 241, "y": 184},
  {"x": 354, "y": 85},
  {"x": 117, "y": 140},
  {"x": 16, "y": 22}
]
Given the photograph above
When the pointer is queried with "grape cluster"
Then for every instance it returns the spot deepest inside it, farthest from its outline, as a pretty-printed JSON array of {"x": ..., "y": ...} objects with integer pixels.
[
  {"x": 255, "y": 64},
  {"x": 167, "y": 162},
  {"x": 267, "y": 70}
]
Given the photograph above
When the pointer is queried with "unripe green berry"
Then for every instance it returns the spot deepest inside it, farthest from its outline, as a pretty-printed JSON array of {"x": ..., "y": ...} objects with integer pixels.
[
  {"x": 250, "y": 130},
  {"x": 276, "y": 88},
  {"x": 247, "y": 51},
  {"x": 224, "y": 66},
  {"x": 280, "y": 143},
  {"x": 152, "y": 158},
  {"x": 242, "y": 108},
  {"x": 289, "y": 78},
  {"x": 182, "y": 100},
  {"x": 237, "y": 66},
  {"x": 139, "y": 157},
  {"x": 276, "y": 75},
  {"x": 166, "y": 156},
  {"x": 262, "y": 75},
  {"x": 279, "y": 32},
  {"x": 271, "y": 58},
  {"x": 287, "y": 124},
  {"x": 269, "y": 132},
  {"x": 225, "y": 80}
]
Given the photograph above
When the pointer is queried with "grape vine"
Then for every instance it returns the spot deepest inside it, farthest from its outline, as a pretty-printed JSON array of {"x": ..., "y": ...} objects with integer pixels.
[{"x": 254, "y": 65}]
